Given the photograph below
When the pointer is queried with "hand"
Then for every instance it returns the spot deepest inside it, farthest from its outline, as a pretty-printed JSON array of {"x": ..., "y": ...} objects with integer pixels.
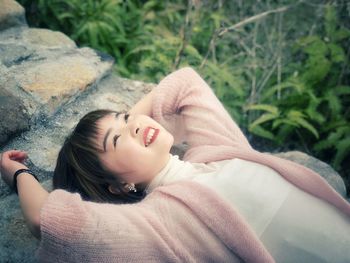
[{"x": 10, "y": 162}]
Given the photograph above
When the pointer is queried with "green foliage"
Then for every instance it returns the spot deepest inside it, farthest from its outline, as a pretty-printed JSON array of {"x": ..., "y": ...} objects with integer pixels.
[
  {"x": 229, "y": 88},
  {"x": 113, "y": 26},
  {"x": 312, "y": 100}
]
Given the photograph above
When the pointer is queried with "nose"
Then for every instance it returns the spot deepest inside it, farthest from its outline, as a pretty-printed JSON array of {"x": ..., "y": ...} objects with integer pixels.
[{"x": 134, "y": 127}]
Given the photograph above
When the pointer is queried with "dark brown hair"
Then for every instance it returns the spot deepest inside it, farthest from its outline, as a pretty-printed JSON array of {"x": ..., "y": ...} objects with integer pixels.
[{"x": 78, "y": 168}]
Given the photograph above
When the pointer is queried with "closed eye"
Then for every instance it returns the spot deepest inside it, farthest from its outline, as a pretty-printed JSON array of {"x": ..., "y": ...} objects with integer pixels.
[
  {"x": 115, "y": 138},
  {"x": 126, "y": 117}
]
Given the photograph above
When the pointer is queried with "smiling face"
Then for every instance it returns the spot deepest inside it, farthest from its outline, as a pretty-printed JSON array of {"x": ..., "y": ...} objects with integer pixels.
[{"x": 122, "y": 136}]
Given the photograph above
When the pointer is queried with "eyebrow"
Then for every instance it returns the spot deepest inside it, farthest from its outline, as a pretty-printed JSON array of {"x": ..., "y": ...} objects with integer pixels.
[{"x": 108, "y": 132}]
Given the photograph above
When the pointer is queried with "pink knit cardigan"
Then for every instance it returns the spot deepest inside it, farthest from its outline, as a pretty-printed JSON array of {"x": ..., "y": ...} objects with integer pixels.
[{"x": 184, "y": 221}]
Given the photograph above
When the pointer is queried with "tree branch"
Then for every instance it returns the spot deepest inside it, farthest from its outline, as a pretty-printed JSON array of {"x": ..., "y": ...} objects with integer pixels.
[
  {"x": 252, "y": 19},
  {"x": 220, "y": 32},
  {"x": 186, "y": 31}
]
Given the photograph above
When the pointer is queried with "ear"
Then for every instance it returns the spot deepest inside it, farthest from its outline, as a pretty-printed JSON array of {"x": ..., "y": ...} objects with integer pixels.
[{"x": 113, "y": 190}]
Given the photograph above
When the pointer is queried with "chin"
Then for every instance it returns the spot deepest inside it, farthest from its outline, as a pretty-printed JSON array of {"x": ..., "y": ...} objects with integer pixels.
[
  {"x": 171, "y": 142},
  {"x": 167, "y": 144}
]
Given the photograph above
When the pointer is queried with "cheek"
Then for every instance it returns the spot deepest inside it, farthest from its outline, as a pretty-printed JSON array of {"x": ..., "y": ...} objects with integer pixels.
[
  {"x": 111, "y": 162},
  {"x": 136, "y": 161},
  {"x": 135, "y": 154}
]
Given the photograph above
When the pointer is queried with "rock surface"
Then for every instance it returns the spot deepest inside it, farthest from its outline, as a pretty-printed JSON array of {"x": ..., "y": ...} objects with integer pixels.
[
  {"x": 11, "y": 14},
  {"x": 47, "y": 84},
  {"x": 41, "y": 70},
  {"x": 11, "y": 108}
]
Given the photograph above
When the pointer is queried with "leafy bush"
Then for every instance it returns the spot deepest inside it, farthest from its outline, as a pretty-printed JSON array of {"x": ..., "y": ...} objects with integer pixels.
[
  {"x": 313, "y": 105},
  {"x": 113, "y": 26}
]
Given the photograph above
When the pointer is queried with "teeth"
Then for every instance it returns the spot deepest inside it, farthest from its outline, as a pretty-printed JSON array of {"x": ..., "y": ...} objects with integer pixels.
[{"x": 149, "y": 136}]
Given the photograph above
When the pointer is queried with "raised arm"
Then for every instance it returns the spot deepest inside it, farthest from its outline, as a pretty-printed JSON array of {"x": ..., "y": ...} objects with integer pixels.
[
  {"x": 185, "y": 105},
  {"x": 144, "y": 105},
  {"x": 31, "y": 194}
]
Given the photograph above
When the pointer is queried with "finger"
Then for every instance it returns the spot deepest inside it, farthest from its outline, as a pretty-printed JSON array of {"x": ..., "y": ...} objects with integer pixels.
[
  {"x": 17, "y": 154},
  {"x": 12, "y": 154},
  {"x": 21, "y": 155},
  {"x": 19, "y": 159}
]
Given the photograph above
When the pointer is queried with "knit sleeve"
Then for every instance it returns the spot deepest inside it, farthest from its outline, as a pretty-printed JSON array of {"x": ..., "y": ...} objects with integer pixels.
[
  {"x": 188, "y": 108},
  {"x": 183, "y": 222},
  {"x": 62, "y": 223},
  {"x": 75, "y": 230}
]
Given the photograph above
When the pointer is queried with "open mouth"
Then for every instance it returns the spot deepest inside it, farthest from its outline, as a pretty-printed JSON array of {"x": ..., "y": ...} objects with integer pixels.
[{"x": 149, "y": 135}]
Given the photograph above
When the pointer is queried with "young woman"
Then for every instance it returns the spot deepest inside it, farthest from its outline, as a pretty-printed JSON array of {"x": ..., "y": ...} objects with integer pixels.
[{"x": 122, "y": 157}]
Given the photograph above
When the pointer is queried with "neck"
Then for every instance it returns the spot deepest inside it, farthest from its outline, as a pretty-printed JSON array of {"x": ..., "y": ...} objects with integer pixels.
[{"x": 143, "y": 185}]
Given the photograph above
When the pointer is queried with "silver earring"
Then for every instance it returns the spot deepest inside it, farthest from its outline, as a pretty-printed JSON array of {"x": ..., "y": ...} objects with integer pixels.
[{"x": 132, "y": 187}]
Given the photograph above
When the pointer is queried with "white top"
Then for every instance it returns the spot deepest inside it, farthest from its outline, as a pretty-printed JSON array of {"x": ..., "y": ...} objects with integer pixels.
[
  {"x": 256, "y": 190},
  {"x": 293, "y": 225}
]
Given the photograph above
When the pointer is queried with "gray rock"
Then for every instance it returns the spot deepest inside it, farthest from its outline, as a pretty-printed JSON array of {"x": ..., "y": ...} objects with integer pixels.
[
  {"x": 11, "y": 14},
  {"x": 59, "y": 77},
  {"x": 47, "y": 38},
  {"x": 14, "y": 117},
  {"x": 17, "y": 244},
  {"x": 50, "y": 78},
  {"x": 45, "y": 69},
  {"x": 19, "y": 45},
  {"x": 14, "y": 54},
  {"x": 36, "y": 39}
]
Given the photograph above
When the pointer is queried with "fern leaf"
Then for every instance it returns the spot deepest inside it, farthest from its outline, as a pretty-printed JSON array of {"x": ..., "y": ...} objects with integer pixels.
[
  {"x": 263, "y": 118},
  {"x": 258, "y": 130},
  {"x": 265, "y": 107},
  {"x": 298, "y": 117},
  {"x": 343, "y": 149}
]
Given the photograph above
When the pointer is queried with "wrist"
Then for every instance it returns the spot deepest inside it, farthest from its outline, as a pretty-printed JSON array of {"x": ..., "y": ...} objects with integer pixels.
[
  {"x": 20, "y": 172},
  {"x": 143, "y": 106}
]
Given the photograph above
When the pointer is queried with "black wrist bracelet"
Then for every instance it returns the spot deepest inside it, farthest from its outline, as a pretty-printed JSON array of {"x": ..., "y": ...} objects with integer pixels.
[{"x": 19, "y": 172}]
